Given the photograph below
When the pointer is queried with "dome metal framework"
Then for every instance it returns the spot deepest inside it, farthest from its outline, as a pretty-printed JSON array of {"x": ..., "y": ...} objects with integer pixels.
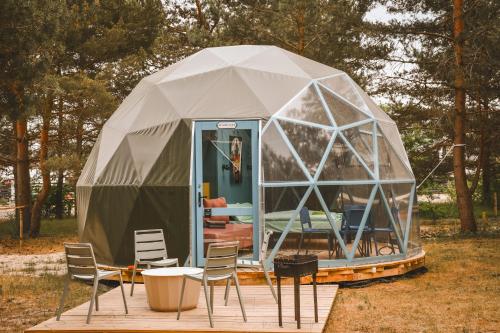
[{"x": 358, "y": 157}]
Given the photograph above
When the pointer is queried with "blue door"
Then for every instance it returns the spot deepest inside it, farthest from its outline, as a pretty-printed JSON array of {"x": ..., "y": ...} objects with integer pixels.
[{"x": 226, "y": 197}]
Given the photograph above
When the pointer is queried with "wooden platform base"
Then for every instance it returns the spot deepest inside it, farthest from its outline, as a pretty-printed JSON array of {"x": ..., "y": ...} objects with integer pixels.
[
  {"x": 254, "y": 276},
  {"x": 261, "y": 309}
]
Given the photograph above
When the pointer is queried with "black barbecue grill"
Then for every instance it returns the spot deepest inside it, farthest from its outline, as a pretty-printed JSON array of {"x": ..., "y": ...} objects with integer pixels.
[{"x": 296, "y": 266}]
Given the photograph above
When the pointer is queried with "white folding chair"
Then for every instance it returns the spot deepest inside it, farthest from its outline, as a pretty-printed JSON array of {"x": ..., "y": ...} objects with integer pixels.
[
  {"x": 150, "y": 250},
  {"x": 81, "y": 265},
  {"x": 263, "y": 254},
  {"x": 220, "y": 264}
]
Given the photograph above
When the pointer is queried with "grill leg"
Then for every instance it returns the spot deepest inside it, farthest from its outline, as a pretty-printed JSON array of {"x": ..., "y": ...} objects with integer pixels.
[
  {"x": 296, "y": 283},
  {"x": 315, "y": 294},
  {"x": 278, "y": 284}
]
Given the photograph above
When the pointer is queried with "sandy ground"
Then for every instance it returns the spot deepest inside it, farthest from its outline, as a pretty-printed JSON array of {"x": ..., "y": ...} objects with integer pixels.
[{"x": 33, "y": 264}]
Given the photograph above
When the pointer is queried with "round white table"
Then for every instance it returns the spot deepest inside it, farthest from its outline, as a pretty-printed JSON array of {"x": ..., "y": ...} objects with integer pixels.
[{"x": 163, "y": 287}]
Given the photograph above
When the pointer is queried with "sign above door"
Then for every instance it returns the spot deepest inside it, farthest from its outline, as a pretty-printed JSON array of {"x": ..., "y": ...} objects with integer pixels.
[{"x": 226, "y": 124}]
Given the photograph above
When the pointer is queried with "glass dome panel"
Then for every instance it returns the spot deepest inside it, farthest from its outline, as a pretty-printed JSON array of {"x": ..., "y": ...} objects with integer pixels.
[
  {"x": 341, "y": 85},
  {"x": 307, "y": 107},
  {"x": 343, "y": 164},
  {"x": 398, "y": 196},
  {"x": 309, "y": 142},
  {"x": 278, "y": 163},
  {"x": 390, "y": 165},
  {"x": 343, "y": 113},
  {"x": 361, "y": 139},
  {"x": 391, "y": 132}
]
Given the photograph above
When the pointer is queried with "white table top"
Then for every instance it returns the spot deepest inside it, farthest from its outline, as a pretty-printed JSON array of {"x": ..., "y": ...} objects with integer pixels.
[{"x": 172, "y": 271}]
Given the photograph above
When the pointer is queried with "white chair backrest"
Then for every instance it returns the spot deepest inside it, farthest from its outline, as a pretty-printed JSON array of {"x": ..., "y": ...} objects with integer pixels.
[
  {"x": 150, "y": 245},
  {"x": 221, "y": 259},
  {"x": 80, "y": 259}
]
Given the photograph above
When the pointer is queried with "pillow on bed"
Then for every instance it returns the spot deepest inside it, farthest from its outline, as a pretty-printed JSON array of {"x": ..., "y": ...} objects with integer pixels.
[
  {"x": 242, "y": 218},
  {"x": 216, "y": 203}
]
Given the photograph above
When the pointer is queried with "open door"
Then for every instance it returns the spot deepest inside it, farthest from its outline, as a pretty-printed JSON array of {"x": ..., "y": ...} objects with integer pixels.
[{"x": 226, "y": 185}]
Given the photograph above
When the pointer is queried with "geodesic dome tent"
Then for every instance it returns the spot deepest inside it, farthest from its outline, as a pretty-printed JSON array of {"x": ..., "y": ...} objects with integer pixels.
[{"x": 321, "y": 143}]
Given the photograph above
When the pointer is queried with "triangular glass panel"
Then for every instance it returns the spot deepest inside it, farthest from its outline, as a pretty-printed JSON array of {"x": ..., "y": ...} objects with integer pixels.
[
  {"x": 343, "y": 113},
  {"x": 309, "y": 142},
  {"x": 349, "y": 203},
  {"x": 361, "y": 139},
  {"x": 281, "y": 204},
  {"x": 342, "y": 164},
  {"x": 307, "y": 107},
  {"x": 390, "y": 131},
  {"x": 390, "y": 165},
  {"x": 375, "y": 110},
  {"x": 386, "y": 233},
  {"x": 341, "y": 84},
  {"x": 320, "y": 229},
  {"x": 414, "y": 241},
  {"x": 278, "y": 163},
  {"x": 398, "y": 197}
]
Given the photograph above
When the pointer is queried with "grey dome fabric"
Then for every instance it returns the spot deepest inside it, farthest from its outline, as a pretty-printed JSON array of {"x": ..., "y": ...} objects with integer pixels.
[{"x": 138, "y": 173}]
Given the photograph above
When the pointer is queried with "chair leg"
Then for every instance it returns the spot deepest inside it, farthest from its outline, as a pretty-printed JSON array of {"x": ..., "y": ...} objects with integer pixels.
[
  {"x": 309, "y": 243},
  {"x": 63, "y": 296},
  {"x": 301, "y": 240},
  {"x": 226, "y": 293},
  {"x": 376, "y": 244},
  {"x": 269, "y": 282},
  {"x": 212, "y": 296},
  {"x": 92, "y": 299},
  {"x": 329, "y": 246},
  {"x": 133, "y": 279},
  {"x": 97, "y": 298},
  {"x": 180, "y": 299},
  {"x": 237, "y": 284},
  {"x": 123, "y": 293},
  {"x": 205, "y": 289}
]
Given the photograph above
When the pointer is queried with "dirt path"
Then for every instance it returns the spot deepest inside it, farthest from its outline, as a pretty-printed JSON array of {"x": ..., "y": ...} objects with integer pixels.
[{"x": 33, "y": 264}]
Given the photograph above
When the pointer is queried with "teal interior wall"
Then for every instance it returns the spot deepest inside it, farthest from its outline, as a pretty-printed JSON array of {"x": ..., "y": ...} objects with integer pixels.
[{"x": 221, "y": 184}]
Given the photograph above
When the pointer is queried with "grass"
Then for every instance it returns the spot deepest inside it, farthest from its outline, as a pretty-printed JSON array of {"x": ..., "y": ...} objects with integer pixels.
[
  {"x": 26, "y": 301},
  {"x": 460, "y": 292},
  {"x": 52, "y": 235}
]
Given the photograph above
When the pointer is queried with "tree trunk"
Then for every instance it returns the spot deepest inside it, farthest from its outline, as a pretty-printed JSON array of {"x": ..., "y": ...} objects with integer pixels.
[
  {"x": 79, "y": 137},
  {"x": 36, "y": 212},
  {"x": 300, "y": 21},
  {"x": 59, "y": 209},
  {"x": 464, "y": 199},
  {"x": 23, "y": 194}
]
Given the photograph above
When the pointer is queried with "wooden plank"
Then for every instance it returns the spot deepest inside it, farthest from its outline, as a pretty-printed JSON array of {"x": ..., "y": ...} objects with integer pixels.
[{"x": 261, "y": 310}]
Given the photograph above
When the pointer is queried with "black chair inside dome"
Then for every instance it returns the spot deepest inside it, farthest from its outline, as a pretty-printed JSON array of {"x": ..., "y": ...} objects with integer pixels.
[
  {"x": 351, "y": 223},
  {"x": 307, "y": 229}
]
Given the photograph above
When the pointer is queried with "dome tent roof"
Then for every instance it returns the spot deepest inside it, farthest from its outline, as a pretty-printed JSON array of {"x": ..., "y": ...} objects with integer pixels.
[{"x": 232, "y": 82}]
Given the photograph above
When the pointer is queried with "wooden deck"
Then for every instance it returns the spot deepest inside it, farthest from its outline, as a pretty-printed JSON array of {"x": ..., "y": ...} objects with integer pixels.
[{"x": 261, "y": 309}]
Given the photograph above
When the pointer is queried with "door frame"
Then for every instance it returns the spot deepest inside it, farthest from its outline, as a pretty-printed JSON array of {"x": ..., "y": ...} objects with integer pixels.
[{"x": 197, "y": 185}]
